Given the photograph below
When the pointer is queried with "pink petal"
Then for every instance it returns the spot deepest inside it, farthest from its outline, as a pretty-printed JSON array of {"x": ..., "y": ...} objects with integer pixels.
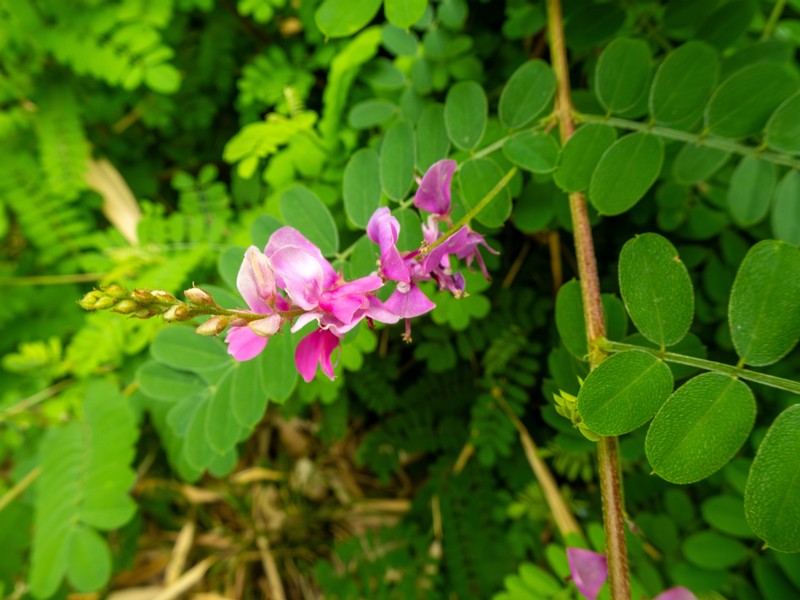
[
  {"x": 589, "y": 571},
  {"x": 408, "y": 304},
  {"x": 243, "y": 344},
  {"x": 256, "y": 281},
  {"x": 345, "y": 300},
  {"x": 315, "y": 349},
  {"x": 433, "y": 194},
  {"x": 676, "y": 593},
  {"x": 452, "y": 245},
  {"x": 301, "y": 274},
  {"x": 289, "y": 236},
  {"x": 384, "y": 229}
]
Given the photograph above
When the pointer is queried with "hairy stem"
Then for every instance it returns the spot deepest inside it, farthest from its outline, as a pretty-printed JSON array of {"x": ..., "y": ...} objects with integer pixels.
[
  {"x": 608, "y": 453},
  {"x": 709, "y": 141},
  {"x": 709, "y": 365}
]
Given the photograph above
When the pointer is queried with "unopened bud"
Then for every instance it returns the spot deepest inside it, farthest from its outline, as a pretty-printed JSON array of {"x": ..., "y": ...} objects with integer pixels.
[
  {"x": 126, "y": 307},
  {"x": 105, "y": 302},
  {"x": 89, "y": 301},
  {"x": 115, "y": 291},
  {"x": 144, "y": 313},
  {"x": 142, "y": 296},
  {"x": 163, "y": 296},
  {"x": 266, "y": 327},
  {"x": 214, "y": 326},
  {"x": 197, "y": 296},
  {"x": 177, "y": 312}
]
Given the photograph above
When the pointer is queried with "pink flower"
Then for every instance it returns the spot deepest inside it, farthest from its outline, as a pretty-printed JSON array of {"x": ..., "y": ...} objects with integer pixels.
[
  {"x": 589, "y": 571},
  {"x": 676, "y": 593},
  {"x": 316, "y": 349},
  {"x": 433, "y": 194},
  {"x": 256, "y": 283}
]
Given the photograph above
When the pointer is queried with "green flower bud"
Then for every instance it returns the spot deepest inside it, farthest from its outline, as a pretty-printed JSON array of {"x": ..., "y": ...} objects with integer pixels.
[
  {"x": 89, "y": 301},
  {"x": 105, "y": 302},
  {"x": 163, "y": 296},
  {"x": 177, "y": 312},
  {"x": 115, "y": 291},
  {"x": 196, "y": 295},
  {"x": 126, "y": 307}
]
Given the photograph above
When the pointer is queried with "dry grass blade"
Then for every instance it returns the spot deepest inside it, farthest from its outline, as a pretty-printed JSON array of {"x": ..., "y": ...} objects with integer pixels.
[
  {"x": 119, "y": 204},
  {"x": 180, "y": 552},
  {"x": 191, "y": 578},
  {"x": 271, "y": 569}
]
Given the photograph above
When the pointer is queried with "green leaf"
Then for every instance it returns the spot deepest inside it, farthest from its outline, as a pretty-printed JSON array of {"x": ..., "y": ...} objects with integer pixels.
[
  {"x": 783, "y": 127},
  {"x": 697, "y": 163},
  {"x": 700, "y": 428},
  {"x": 432, "y": 141},
  {"x": 580, "y": 156},
  {"x": 750, "y": 191},
  {"x": 764, "y": 309},
  {"x": 571, "y": 322},
  {"x": 625, "y": 173},
  {"x": 772, "y": 495},
  {"x": 622, "y": 74},
  {"x": 624, "y": 392},
  {"x": 197, "y": 450},
  {"x": 465, "y": 114},
  {"x": 163, "y": 78},
  {"x": 744, "y": 102},
  {"x": 786, "y": 209},
  {"x": 89, "y": 566},
  {"x": 533, "y": 151},
  {"x": 404, "y": 13},
  {"x": 248, "y": 396},
  {"x": 342, "y": 18},
  {"x": 397, "y": 161},
  {"x": 181, "y": 348},
  {"x": 303, "y": 210},
  {"x": 399, "y": 41},
  {"x": 410, "y": 231},
  {"x": 476, "y": 178},
  {"x": 729, "y": 21},
  {"x": 279, "y": 374},
  {"x": 370, "y": 113},
  {"x": 683, "y": 83},
  {"x": 527, "y": 94},
  {"x": 164, "y": 383},
  {"x": 222, "y": 430},
  {"x": 362, "y": 186},
  {"x": 656, "y": 289},
  {"x": 725, "y": 513},
  {"x": 710, "y": 550}
]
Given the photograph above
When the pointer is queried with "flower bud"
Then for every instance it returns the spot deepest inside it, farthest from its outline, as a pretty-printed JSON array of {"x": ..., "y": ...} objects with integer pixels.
[
  {"x": 266, "y": 327},
  {"x": 89, "y": 301},
  {"x": 163, "y": 296},
  {"x": 214, "y": 326},
  {"x": 105, "y": 302},
  {"x": 115, "y": 291},
  {"x": 126, "y": 307},
  {"x": 177, "y": 312},
  {"x": 196, "y": 295},
  {"x": 142, "y": 296}
]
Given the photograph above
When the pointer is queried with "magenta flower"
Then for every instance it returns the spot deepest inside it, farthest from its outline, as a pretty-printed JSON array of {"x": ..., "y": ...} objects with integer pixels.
[
  {"x": 433, "y": 194},
  {"x": 676, "y": 593},
  {"x": 316, "y": 349},
  {"x": 256, "y": 284},
  {"x": 589, "y": 571}
]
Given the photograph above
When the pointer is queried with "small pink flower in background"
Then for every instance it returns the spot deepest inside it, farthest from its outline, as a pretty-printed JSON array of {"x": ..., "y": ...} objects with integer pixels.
[{"x": 589, "y": 571}]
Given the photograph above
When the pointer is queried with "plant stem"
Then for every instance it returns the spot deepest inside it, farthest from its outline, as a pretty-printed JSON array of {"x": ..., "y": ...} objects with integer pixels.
[
  {"x": 608, "y": 452},
  {"x": 52, "y": 279},
  {"x": 709, "y": 141},
  {"x": 20, "y": 487},
  {"x": 769, "y": 28},
  {"x": 709, "y": 365}
]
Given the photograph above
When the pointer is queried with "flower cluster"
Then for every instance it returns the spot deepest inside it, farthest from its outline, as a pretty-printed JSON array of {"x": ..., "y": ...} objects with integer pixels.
[{"x": 291, "y": 280}]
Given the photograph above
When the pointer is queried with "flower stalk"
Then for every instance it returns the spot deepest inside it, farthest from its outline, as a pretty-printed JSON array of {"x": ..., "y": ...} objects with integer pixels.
[{"x": 608, "y": 449}]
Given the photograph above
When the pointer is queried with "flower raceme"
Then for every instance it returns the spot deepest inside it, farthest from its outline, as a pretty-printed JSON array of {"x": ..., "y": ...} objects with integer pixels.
[{"x": 292, "y": 281}]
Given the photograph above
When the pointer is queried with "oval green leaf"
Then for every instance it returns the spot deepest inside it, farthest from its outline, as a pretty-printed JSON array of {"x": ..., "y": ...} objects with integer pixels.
[
  {"x": 342, "y": 18},
  {"x": 772, "y": 495},
  {"x": 625, "y": 173},
  {"x": 181, "y": 348},
  {"x": 370, "y": 113},
  {"x": 222, "y": 429},
  {"x": 622, "y": 74},
  {"x": 476, "y": 178},
  {"x": 533, "y": 151},
  {"x": 786, "y": 209},
  {"x": 527, "y": 94},
  {"x": 197, "y": 452},
  {"x": 750, "y": 191},
  {"x": 404, "y": 13},
  {"x": 700, "y": 428},
  {"x": 764, "y": 308},
  {"x": 783, "y": 127},
  {"x": 248, "y": 397},
  {"x": 683, "y": 83},
  {"x": 302, "y": 209},
  {"x": 361, "y": 186},
  {"x": 744, "y": 102},
  {"x": 624, "y": 392},
  {"x": 465, "y": 114},
  {"x": 89, "y": 566},
  {"x": 432, "y": 141},
  {"x": 725, "y": 513},
  {"x": 697, "y": 163},
  {"x": 397, "y": 161},
  {"x": 713, "y": 551},
  {"x": 163, "y": 383},
  {"x": 279, "y": 374},
  {"x": 656, "y": 289},
  {"x": 580, "y": 156}
]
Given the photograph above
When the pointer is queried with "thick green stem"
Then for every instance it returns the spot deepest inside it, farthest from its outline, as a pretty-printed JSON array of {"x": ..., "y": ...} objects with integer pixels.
[
  {"x": 709, "y": 365},
  {"x": 709, "y": 141},
  {"x": 608, "y": 453},
  {"x": 769, "y": 28}
]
